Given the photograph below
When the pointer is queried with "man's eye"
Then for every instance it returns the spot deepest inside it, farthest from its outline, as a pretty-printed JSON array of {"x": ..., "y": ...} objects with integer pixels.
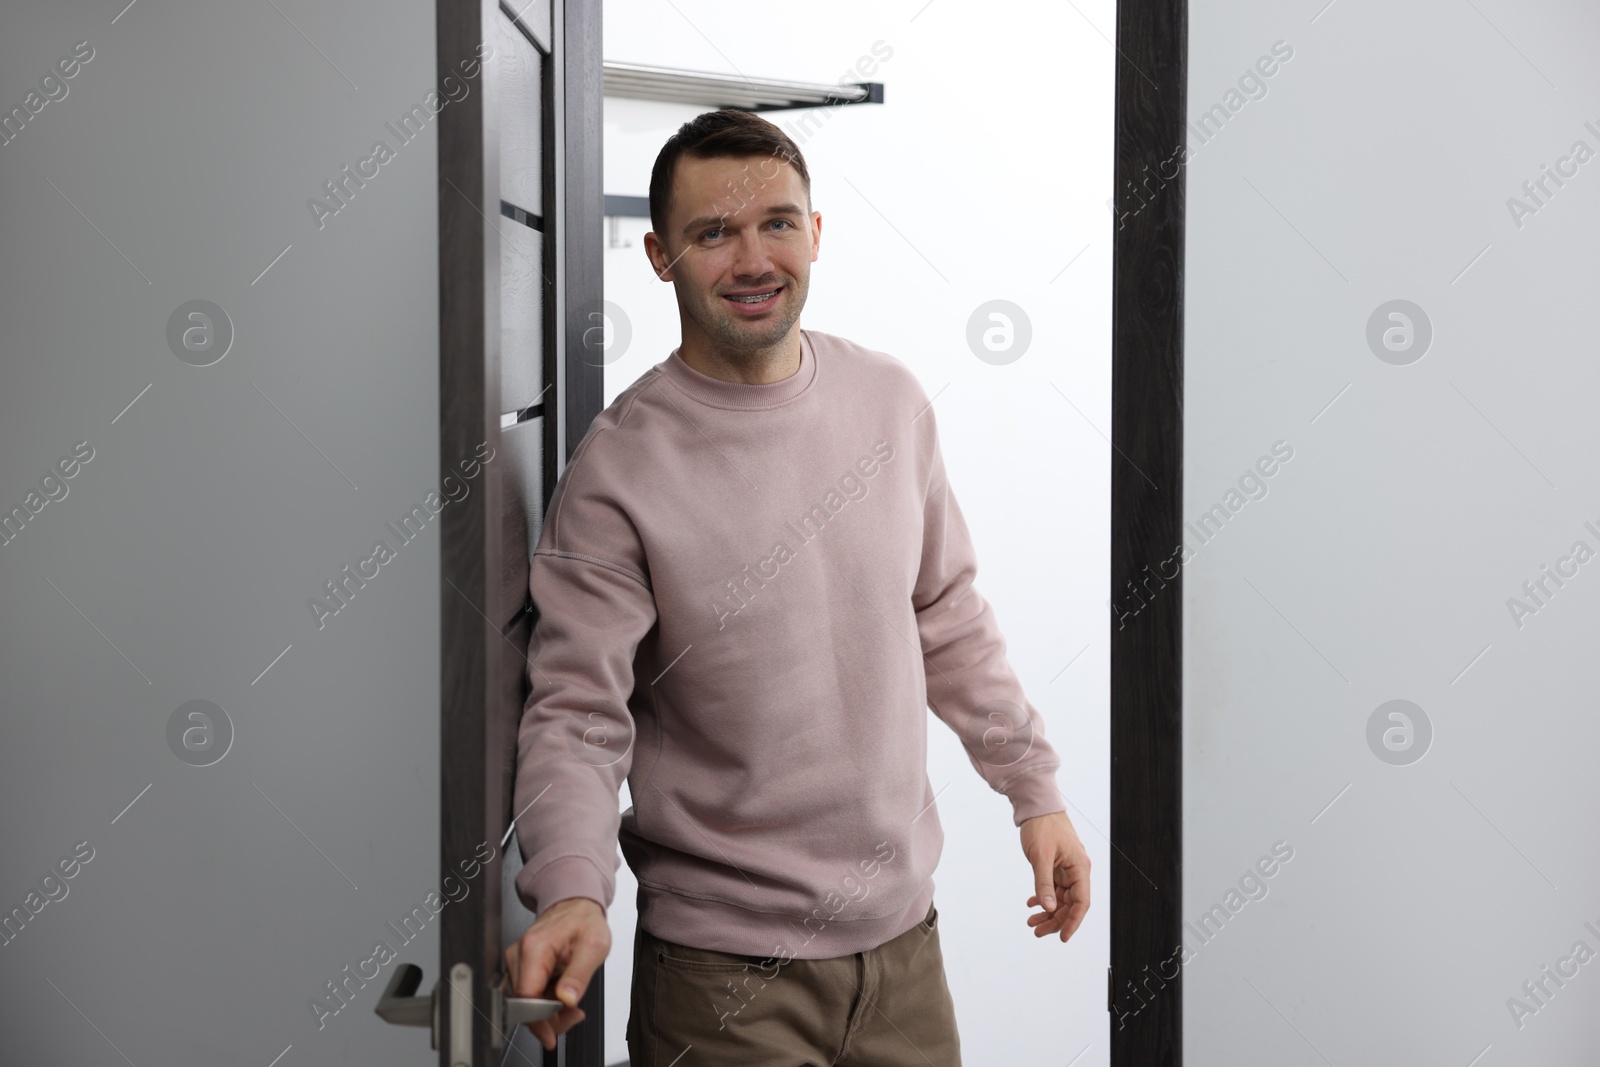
[
  {"x": 784, "y": 222},
  {"x": 708, "y": 233}
]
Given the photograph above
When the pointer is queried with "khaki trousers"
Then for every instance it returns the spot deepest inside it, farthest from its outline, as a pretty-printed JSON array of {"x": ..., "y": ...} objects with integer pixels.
[{"x": 885, "y": 1007}]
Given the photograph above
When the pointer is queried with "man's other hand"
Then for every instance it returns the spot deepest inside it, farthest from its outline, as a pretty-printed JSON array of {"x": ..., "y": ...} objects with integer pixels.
[
  {"x": 1060, "y": 874},
  {"x": 563, "y": 948}
]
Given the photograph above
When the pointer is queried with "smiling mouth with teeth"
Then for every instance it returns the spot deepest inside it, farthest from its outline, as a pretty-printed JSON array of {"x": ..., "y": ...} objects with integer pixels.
[{"x": 755, "y": 298}]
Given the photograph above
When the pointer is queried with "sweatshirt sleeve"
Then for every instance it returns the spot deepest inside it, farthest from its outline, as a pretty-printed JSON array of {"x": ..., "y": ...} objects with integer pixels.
[
  {"x": 971, "y": 686},
  {"x": 575, "y": 741}
]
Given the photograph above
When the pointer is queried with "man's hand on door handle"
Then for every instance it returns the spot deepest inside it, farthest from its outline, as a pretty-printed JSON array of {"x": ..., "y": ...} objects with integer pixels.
[{"x": 556, "y": 957}]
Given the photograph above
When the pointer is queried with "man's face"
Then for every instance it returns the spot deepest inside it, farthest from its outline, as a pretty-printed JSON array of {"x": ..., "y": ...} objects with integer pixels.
[{"x": 738, "y": 227}]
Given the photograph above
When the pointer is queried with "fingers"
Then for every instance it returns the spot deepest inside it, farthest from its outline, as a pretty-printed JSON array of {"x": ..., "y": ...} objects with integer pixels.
[
  {"x": 530, "y": 968},
  {"x": 559, "y": 1023},
  {"x": 1078, "y": 880},
  {"x": 1066, "y": 919},
  {"x": 588, "y": 949},
  {"x": 1074, "y": 919},
  {"x": 1046, "y": 923},
  {"x": 1044, "y": 880},
  {"x": 1077, "y": 891}
]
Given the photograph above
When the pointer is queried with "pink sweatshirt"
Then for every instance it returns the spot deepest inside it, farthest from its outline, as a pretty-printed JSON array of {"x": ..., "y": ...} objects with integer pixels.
[{"x": 748, "y": 597}]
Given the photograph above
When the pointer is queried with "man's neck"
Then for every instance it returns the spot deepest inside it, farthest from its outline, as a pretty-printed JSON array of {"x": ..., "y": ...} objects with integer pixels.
[{"x": 760, "y": 366}]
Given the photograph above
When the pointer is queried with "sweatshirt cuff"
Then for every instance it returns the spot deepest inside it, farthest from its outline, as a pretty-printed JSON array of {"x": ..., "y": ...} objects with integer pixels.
[
  {"x": 1034, "y": 794},
  {"x": 569, "y": 876}
]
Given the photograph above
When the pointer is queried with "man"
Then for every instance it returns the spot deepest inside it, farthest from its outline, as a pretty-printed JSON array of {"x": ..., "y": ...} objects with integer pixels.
[{"x": 753, "y": 581}]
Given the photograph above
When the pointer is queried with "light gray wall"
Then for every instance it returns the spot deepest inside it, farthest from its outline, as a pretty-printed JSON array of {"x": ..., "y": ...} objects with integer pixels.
[
  {"x": 219, "y": 499},
  {"x": 1377, "y": 563}
]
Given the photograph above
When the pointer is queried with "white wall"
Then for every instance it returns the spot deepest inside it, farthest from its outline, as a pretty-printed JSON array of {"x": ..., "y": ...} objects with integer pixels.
[
  {"x": 1380, "y": 565},
  {"x": 992, "y": 159}
]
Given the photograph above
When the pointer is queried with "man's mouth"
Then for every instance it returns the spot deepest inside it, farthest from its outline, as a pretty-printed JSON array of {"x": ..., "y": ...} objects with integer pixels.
[{"x": 757, "y": 300}]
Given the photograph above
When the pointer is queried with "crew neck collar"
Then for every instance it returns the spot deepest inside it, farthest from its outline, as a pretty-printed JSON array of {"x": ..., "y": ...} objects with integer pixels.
[{"x": 724, "y": 394}]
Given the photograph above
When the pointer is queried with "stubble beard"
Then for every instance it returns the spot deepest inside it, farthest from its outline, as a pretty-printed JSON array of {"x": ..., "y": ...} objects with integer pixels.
[{"x": 721, "y": 325}]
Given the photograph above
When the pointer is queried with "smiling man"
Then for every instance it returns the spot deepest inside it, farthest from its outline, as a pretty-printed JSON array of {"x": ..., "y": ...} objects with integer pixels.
[{"x": 753, "y": 582}]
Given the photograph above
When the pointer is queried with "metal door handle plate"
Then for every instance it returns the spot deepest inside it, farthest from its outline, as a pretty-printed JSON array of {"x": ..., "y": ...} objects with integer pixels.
[{"x": 399, "y": 1004}]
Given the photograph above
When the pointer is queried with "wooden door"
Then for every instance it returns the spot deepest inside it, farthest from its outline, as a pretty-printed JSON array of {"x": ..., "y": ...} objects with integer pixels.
[{"x": 519, "y": 280}]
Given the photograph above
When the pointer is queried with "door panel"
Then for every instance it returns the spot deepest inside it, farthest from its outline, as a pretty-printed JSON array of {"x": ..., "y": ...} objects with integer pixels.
[
  {"x": 535, "y": 17},
  {"x": 522, "y": 315},
  {"x": 519, "y": 74},
  {"x": 522, "y": 456},
  {"x": 512, "y": 247}
]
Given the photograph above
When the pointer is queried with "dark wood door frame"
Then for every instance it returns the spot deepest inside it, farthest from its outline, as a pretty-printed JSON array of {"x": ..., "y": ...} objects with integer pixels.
[
  {"x": 1144, "y": 984},
  {"x": 576, "y": 366},
  {"x": 469, "y": 324},
  {"x": 580, "y": 377}
]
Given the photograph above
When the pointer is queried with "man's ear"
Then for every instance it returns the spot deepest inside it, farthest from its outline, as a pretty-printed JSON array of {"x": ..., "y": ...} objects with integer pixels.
[
  {"x": 816, "y": 234},
  {"x": 656, "y": 252}
]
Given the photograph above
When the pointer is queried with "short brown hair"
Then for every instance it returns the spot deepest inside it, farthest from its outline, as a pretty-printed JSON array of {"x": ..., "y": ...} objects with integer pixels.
[{"x": 730, "y": 132}]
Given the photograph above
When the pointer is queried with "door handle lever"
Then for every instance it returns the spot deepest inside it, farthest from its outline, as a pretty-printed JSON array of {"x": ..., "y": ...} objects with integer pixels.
[
  {"x": 512, "y": 1011},
  {"x": 399, "y": 1005}
]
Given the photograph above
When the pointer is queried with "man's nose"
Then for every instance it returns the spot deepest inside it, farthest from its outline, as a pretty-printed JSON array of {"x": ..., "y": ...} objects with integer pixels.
[{"x": 753, "y": 260}]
